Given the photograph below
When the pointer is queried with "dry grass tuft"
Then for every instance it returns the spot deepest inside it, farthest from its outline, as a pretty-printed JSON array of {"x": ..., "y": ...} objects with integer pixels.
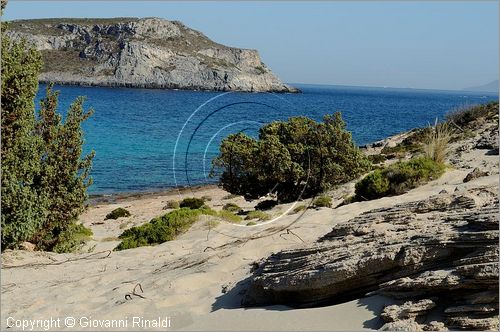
[{"x": 437, "y": 140}]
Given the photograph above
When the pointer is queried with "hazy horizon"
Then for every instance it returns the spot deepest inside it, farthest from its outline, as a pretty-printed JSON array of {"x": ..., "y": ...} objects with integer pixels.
[{"x": 417, "y": 45}]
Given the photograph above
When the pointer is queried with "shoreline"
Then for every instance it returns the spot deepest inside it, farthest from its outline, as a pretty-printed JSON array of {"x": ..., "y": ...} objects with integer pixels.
[
  {"x": 202, "y": 276},
  {"x": 95, "y": 199}
]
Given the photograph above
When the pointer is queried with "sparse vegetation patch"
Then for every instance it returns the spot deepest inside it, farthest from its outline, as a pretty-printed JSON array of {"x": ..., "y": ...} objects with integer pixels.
[
  {"x": 118, "y": 213},
  {"x": 398, "y": 178}
]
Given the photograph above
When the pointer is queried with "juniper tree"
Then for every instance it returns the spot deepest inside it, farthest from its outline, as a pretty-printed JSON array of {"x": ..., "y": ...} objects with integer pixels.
[
  {"x": 64, "y": 176},
  {"x": 23, "y": 203},
  {"x": 290, "y": 158},
  {"x": 44, "y": 178}
]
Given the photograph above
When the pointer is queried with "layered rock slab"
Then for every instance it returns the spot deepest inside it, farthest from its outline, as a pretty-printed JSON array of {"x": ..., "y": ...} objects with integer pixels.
[{"x": 440, "y": 253}]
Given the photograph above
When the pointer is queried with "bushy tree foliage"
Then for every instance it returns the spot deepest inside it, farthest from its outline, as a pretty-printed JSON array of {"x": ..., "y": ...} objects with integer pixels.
[
  {"x": 398, "y": 178},
  {"x": 290, "y": 157},
  {"x": 44, "y": 178},
  {"x": 23, "y": 203},
  {"x": 64, "y": 175}
]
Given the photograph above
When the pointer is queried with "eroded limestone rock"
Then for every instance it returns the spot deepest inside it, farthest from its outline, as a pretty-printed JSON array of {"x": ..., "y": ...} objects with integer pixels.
[{"x": 439, "y": 256}]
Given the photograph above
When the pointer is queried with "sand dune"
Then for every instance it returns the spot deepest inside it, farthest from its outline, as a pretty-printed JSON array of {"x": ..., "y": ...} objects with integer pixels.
[{"x": 197, "y": 279}]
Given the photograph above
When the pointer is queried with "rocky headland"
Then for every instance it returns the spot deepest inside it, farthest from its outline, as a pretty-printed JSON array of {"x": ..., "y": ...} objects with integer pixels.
[{"x": 143, "y": 53}]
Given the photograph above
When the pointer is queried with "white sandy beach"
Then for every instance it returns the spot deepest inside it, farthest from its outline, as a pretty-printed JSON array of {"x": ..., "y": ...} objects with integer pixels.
[{"x": 197, "y": 279}]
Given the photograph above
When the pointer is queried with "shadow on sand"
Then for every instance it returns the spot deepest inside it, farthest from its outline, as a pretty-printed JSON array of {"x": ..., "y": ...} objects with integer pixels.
[{"x": 232, "y": 299}]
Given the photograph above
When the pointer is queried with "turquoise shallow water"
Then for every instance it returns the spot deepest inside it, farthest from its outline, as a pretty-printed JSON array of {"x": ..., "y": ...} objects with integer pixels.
[{"x": 147, "y": 140}]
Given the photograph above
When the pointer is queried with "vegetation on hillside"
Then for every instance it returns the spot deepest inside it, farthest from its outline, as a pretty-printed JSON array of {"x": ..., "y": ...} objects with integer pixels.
[
  {"x": 290, "y": 157},
  {"x": 118, "y": 213},
  {"x": 322, "y": 201},
  {"x": 192, "y": 203},
  {"x": 398, "y": 178},
  {"x": 161, "y": 229},
  {"x": 259, "y": 215},
  {"x": 458, "y": 124},
  {"x": 44, "y": 176}
]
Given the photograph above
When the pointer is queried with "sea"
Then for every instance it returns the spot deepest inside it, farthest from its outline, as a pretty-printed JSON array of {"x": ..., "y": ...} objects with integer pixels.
[{"x": 148, "y": 140}]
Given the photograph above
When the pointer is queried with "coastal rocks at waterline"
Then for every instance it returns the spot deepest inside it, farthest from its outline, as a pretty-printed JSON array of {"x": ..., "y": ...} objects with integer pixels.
[
  {"x": 438, "y": 257},
  {"x": 144, "y": 53}
]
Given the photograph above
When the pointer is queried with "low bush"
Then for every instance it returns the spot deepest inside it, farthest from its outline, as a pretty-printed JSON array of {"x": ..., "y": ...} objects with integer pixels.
[
  {"x": 206, "y": 198},
  {"x": 398, "y": 178},
  {"x": 172, "y": 205},
  {"x": 118, "y": 213},
  {"x": 376, "y": 158},
  {"x": 411, "y": 144},
  {"x": 73, "y": 238},
  {"x": 229, "y": 216},
  {"x": 323, "y": 201},
  {"x": 266, "y": 205},
  {"x": 295, "y": 158},
  {"x": 192, "y": 203},
  {"x": 251, "y": 223},
  {"x": 468, "y": 116},
  {"x": 257, "y": 214},
  {"x": 299, "y": 208},
  {"x": 349, "y": 199},
  {"x": 372, "y": 186},
  {"x": 161, "y": 229},
  {"x": 231, "y": 207}
]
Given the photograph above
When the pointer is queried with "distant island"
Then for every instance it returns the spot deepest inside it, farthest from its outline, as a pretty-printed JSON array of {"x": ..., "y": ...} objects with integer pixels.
[
  {"x": 143, "y": 53},
  {"x": 489, "y": 87}
]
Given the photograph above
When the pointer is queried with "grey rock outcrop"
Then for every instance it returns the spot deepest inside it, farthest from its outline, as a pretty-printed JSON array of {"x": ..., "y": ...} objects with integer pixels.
[
  {"x": 476, "y": 173},
  {"x": 438, "y": 256},
  {"x": 146, "y": 53}
]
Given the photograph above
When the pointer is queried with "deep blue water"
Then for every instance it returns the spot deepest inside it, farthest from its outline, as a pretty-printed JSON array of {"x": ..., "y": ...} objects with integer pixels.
[{"x": 134, "y": 131}]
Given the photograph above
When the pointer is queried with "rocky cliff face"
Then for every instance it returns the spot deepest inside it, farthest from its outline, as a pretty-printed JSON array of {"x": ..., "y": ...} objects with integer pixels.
[{"x": 146, "y": 53}]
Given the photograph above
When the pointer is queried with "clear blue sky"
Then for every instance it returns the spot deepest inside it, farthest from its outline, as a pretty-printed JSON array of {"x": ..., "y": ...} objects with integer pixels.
[{"x": 441, "y": 45}]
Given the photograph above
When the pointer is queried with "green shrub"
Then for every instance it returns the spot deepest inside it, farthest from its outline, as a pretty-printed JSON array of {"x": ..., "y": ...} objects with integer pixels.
[
  {"x": 398, "y": 178},
  {"x": 251, "y": 223},
  {"x": 377, "y": 158},
  {"x": 299, "y": 208},
  {"x": 349, "y": 200},
  {"x": 192, "y": 203},
  {"x": 407, "y": 175},
  {"x": 161, "y": 229},
  {"x": 172, "y": 205},
  {"x": 411, "y": 144},
  {"x": 262, "y": 216},
  {"x": 229, "y": 216},
  {"x": 231, "y": 207},
  {"x": 467, "y": 116},
  {"x": 322, "y": 201},
  {"x": 372, "y": 186},
  {"x": 118, "y": 213},
  {"x": 286, "y": 154},
  {"x": 266, "y": 205},
  {"x": 44, "y": 175},
  {"x": 73, "y": 238}
]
